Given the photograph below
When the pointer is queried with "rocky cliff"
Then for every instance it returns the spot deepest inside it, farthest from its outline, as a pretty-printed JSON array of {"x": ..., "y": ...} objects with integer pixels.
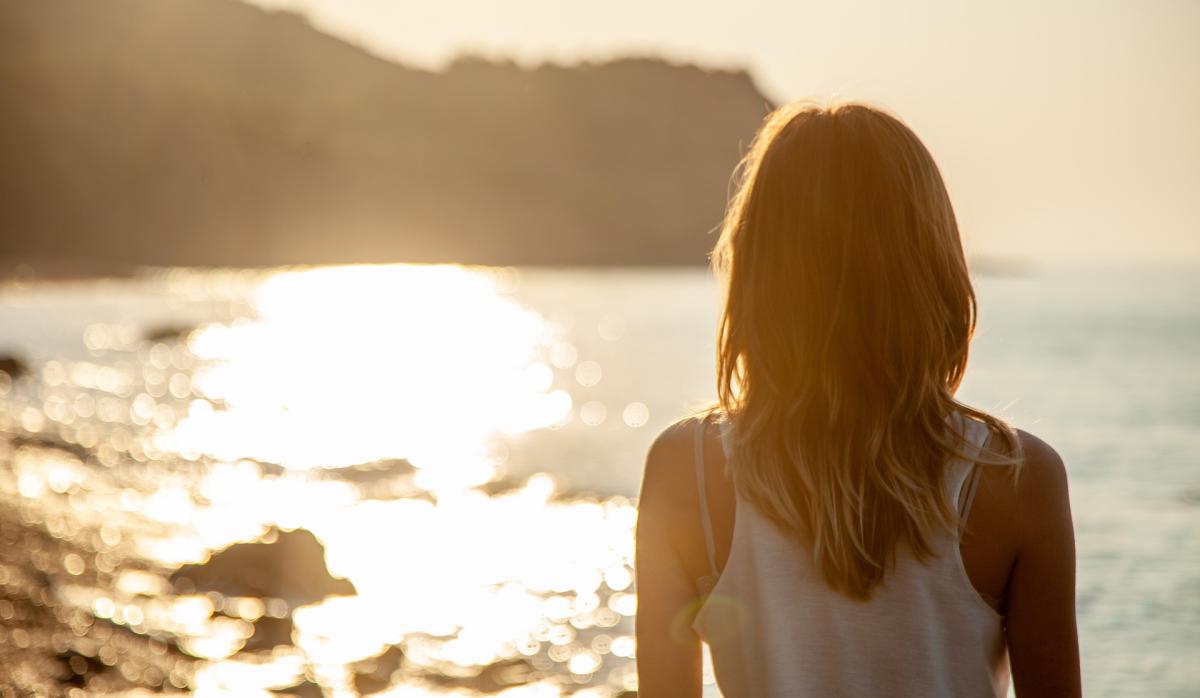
[{"x": 210, "y": 132}]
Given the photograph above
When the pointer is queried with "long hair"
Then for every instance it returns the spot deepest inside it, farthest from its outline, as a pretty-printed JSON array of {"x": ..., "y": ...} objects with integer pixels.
[{"x": 847, "y": 315}]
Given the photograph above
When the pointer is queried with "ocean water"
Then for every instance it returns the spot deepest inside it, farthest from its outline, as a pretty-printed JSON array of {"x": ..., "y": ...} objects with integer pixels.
[{"x": 167, "y": 416}]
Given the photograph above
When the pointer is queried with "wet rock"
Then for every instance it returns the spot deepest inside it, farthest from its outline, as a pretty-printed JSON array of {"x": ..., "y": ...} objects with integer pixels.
[
  {"x": 502, "y": 486},
  {"x": 269, "y": 469},
  {"x": 288, "y": 565},
  {"x": 494, "y": 677},
  {"x": 366, "y": 473},
  {"x": 78, "y": 667},
  {"x": 506, "y": 674},
  {"x": 387, "y": 479},
  {"x": 167, "y": 333},
  {"x": 52, "y": 442},
  {"x": 375, "y": 674},
  {"x": 307, "y": 689},
  {"x": 269, "y": 633},
  {"x": 13, "y": 365}
]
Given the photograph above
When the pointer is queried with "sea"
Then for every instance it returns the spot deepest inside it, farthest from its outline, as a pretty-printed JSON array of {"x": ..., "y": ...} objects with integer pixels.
[{"x": 466, "y": 445}]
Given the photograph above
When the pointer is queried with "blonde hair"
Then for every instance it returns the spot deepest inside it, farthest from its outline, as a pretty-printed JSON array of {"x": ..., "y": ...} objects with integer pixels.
[{"x": 848, "y": 311}]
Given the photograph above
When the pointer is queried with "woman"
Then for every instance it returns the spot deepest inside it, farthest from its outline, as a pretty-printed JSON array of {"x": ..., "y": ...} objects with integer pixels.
[{"x": 838, "y": 524}]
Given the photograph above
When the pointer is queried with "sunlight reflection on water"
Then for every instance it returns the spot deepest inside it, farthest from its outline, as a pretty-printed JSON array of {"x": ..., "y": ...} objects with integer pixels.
[
  {"x": 349, "y": 365},
  {"x": 370, "y": 406}
]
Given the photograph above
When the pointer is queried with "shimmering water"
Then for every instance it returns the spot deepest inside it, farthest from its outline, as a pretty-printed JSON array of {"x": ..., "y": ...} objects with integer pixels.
[{"x": 168, "y": 416}]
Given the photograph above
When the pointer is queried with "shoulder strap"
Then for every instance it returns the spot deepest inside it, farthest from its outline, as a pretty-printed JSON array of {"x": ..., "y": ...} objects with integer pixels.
[
  {"x": 702, "y": 490},
  {"x": 968, "y": 496},
  {"x": 967, "y": 493}
]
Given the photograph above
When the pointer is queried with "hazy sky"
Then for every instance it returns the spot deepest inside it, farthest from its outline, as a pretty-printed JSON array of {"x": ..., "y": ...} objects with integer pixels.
[{"x": 1064, "y": 129}]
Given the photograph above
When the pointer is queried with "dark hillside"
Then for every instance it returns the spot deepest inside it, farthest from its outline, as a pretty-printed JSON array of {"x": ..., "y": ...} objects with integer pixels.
[{"x": 209, "y": 132}]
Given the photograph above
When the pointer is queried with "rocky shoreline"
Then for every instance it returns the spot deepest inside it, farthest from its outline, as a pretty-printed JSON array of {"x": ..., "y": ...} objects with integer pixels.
[{"x": 84, "y": 611}]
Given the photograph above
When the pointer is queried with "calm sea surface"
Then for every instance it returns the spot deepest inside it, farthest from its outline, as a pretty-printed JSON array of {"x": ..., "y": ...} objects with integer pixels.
[{"x": 467, "y": 443}]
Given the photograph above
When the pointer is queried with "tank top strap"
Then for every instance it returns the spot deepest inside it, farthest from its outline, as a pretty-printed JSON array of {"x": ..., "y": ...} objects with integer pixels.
[
  {"x": 702, "y": 490},
  {"x": 966, "y": 498},
  {"x": 965, "y": 471}
]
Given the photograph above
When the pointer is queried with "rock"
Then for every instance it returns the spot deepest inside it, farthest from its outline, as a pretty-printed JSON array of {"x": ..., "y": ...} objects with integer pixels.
[
  {"x": 13, "y": 365},
  {"x": 269, "y": 469},
  {"x": 494, "y": 677},
  {"x": 502, "y": 486},
  {"x": 289, "y": 567},
  {"x": 77, "y": 667},
  {"x": 307, "y": 689},
  {"x": 375, "y": 674},
  {"x": 52, "y": 442},
  {"x": 269, "y": 633},
  {"x": 167, "y": 333},
  {"x": 367, "y": 473}
]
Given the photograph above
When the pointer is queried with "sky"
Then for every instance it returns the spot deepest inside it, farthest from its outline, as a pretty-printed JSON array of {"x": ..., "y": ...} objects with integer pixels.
[{"x": 1066, "y": 131}]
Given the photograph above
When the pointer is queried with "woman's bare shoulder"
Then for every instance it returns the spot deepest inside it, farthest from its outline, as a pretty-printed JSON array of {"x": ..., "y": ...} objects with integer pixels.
[
  {"x": 1042, "y": 497},
  {"x": 1042, "y": 482},
  {"x": 1039, "y": 454},
  {"x": 670, "y": 462},
  {"x": 1033, "y": 498}
]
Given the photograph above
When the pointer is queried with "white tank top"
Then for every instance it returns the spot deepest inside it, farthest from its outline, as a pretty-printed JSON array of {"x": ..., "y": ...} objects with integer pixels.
[{"x": 775, "y": 628}]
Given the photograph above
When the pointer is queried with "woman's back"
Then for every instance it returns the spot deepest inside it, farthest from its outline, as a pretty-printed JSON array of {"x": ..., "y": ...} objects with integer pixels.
[
  {"x": 775, "y": 627},
  {"x": 847, "y": 316}
]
